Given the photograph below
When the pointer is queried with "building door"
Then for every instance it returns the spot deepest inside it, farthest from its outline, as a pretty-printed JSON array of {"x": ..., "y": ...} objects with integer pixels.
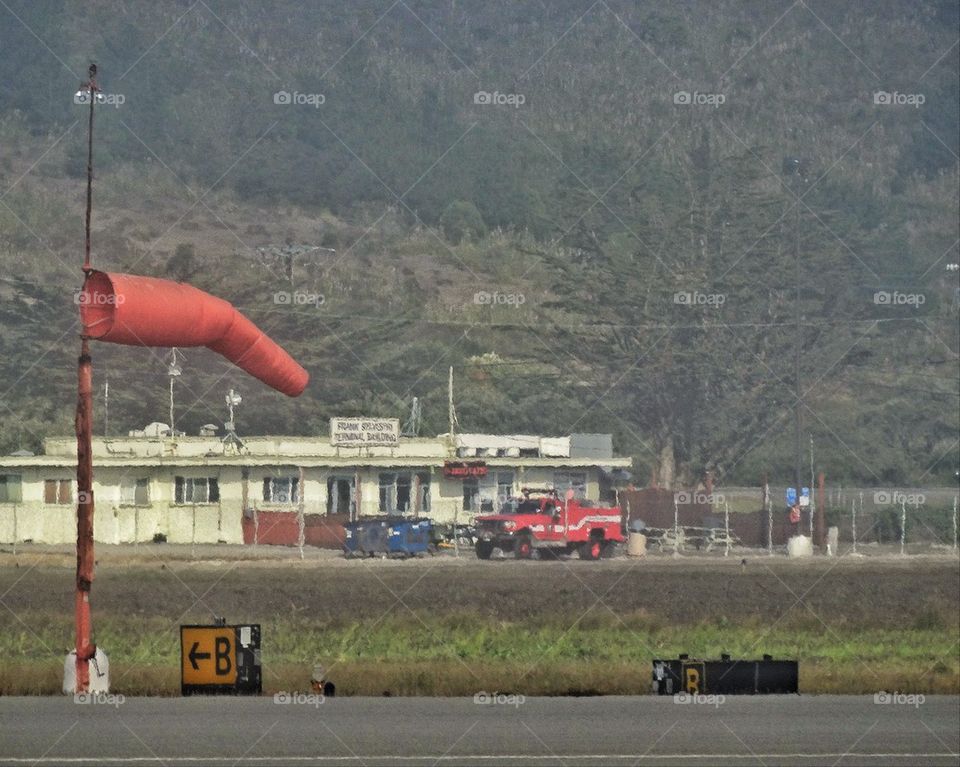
[{"x": 341, "y": 495}]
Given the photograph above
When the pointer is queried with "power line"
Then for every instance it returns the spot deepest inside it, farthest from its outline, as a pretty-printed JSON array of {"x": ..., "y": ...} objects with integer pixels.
[{"x": 597, "y": 325}]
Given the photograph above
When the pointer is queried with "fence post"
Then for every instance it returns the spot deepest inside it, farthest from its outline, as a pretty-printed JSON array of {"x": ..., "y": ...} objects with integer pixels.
[
  {"x": 821, "y": 510},
  {"x": 769, "y": 525},
  {"x": 726, "y": 528},
  {"x": 903, "y": 525},
  {"x": 300, "y": 519},
  {"x": 768, "y": 507},
  {"x": 676, "y": 527},
  {"x": 456, "y": 536},
  {"x": 15, "y": 526},
  {"x": 853, "y": 523},
  {"x": 954, "y": 522}
]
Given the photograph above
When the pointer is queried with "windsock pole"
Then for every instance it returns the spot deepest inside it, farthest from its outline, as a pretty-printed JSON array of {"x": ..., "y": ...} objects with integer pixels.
[{"x": 84, "y": 428}]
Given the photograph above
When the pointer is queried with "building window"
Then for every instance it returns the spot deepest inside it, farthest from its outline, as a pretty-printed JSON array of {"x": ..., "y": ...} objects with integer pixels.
[
  {"x": 388, "y": 493},
  {"x": 281, "y": 489},
  {"x": 11, "y": 488},
  {"x": 196, "y": 490},
  {"x": 504, "y": 486},
  {"x": 487, "y": 494},
  {"x": 404, "y": 487},
  {"x": 471, "y": 494},
  {"x": 57, "y": 491},
  {"x": 567, "y": 480},
  {"x": 404, "y": 492},
  {"x": 135, "y": 492}
]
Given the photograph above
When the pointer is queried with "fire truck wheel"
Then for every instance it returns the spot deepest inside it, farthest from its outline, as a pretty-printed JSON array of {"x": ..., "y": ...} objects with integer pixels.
[
  {"x": 591, "y": 549},
  {"x": 523, "y": 547},
  {"x": 484, "y": 549}
]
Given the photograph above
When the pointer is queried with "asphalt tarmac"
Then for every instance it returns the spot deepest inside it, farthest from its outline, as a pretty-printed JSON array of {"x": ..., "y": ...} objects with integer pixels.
[{"x": 382, "y": 732}]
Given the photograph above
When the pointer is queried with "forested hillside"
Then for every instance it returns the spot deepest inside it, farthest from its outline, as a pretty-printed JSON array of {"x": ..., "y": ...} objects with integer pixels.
[{"x": 593, "y": 211}]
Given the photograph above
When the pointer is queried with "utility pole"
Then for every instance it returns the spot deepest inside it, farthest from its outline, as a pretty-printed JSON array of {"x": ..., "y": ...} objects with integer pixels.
[
  {"x": 451, "y": 413},
  {"x": 173, "y": 371},
  {"x": 798, "y": 342},
  {"x": 795, "y": 167}
]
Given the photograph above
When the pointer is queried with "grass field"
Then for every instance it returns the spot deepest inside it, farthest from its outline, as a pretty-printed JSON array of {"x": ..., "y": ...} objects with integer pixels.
[{"x": 455, "y": 627}]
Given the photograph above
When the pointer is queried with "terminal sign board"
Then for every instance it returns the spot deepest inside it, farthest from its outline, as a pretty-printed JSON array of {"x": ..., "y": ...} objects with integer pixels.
[{"x": 361, "y": 432}]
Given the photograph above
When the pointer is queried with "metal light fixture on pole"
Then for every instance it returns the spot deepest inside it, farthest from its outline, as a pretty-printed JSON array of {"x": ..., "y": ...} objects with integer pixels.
[
  {"x": 232, "y": 399},
  {"x": 174, "y": 371}
]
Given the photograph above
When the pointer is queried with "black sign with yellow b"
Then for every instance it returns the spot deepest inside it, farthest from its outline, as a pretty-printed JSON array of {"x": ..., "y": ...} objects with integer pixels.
[
  {"x": 685, "y": 675},
  {"x": 692, "y": 676},
  {"x": 220, "y": 660}
]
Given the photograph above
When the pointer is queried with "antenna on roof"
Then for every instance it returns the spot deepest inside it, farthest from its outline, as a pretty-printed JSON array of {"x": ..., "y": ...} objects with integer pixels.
[
  {"x": 411, "y": 427},
  {"x": 451, "y": 410},
  {"x": 233, "y": 399},
  {"x": 174, "y": 371}
]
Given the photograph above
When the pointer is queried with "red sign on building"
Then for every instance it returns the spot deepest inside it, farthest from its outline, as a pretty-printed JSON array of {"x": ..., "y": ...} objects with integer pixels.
[{"x": 461, "y": 469}]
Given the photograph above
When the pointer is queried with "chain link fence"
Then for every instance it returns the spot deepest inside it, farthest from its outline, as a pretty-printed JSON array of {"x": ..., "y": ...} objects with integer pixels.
[{"x": 888, "y": 520}]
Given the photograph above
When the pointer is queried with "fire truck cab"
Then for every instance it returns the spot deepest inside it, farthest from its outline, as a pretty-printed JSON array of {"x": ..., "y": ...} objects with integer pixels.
[{"x": 541, "y": 522}]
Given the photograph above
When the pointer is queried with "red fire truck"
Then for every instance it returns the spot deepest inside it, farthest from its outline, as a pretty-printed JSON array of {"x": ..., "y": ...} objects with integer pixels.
[{"x": 541, "y": 522}]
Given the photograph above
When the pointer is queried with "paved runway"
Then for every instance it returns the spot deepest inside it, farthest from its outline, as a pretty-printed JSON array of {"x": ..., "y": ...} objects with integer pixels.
[{"x": 382, "y": 732}]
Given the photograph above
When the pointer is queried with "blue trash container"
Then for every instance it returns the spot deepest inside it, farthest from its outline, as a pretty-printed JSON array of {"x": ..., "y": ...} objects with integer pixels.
[{"x": 394, "y": 536}]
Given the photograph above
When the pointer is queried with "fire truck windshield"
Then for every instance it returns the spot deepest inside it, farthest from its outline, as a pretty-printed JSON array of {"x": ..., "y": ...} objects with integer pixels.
[{"x": 520, "y": 506}]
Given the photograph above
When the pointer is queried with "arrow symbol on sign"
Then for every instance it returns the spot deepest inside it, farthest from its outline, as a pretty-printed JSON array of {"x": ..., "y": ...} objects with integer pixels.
[{"x": 194, "y": 656}]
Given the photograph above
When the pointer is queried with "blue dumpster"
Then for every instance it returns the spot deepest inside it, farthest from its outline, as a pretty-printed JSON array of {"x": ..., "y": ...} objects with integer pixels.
[{"x": 393, "y": 536}]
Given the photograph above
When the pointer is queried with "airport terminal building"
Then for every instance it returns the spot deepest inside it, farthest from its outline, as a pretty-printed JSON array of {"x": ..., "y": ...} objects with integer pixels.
[{"x": 284, "y": 490}]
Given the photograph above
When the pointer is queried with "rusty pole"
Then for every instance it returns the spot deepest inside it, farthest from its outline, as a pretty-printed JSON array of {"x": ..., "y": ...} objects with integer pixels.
[
  {"x": 84, "y": 419},
  {"x": 85, "y": 648}
]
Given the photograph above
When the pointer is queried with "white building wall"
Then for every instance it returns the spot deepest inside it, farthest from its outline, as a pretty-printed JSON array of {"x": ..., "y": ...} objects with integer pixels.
[
  {"x": 32, "y": 519},
  {"x": 114, "y": 522}
]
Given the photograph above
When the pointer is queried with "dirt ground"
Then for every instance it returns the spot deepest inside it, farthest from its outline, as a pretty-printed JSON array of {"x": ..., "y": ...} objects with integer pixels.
[{"x": 246, "y": 584}]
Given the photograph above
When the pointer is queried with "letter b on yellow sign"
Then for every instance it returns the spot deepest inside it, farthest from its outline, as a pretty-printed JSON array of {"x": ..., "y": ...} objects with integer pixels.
[{"x": 693, "y": 679}]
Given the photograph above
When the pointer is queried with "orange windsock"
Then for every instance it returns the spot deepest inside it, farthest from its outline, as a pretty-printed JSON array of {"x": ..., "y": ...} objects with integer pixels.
[{"x": 147, "y": 311}]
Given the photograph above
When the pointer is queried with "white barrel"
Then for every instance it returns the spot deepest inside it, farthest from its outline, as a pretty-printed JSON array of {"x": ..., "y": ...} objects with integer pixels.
[
  {"x": 637, "y": 545},
  {"x": 800, "y": 546},
  {"x": 833, "y": 540}
]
